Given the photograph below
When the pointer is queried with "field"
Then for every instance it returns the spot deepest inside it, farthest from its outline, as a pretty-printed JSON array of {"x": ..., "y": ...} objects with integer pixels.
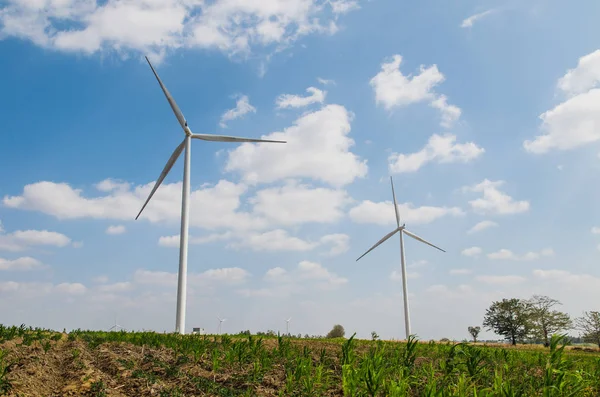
[{"x": 36, "y": 362}]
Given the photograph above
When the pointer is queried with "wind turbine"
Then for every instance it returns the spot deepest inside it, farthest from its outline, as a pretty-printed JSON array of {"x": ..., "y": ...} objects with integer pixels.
[
  {"x": 116, "y": 326},
  {"x": 220, "y": 322},
  {"x": 402, "y": 230},
  {"x": 185, "y": 207},
  {"x": 287, "y": 326}
]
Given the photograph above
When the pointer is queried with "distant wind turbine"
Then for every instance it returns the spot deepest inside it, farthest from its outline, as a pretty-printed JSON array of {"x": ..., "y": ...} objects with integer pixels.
[
  {"x": 116, "y": 326},
  {"x": 220, "y": 322},
  {"x": 185, "y": 207},
  {"x": 402, "y": 230},
  {"x": 287, "y": 326}
]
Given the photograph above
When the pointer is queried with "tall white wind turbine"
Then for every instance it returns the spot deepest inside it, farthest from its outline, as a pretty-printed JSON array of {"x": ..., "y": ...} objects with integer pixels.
[
  {"x": 185, "y": 207},
  {"x": 287, "y": 326},
  {"x": 220, "y": 322},
  {"x": 402, "y": 230}
]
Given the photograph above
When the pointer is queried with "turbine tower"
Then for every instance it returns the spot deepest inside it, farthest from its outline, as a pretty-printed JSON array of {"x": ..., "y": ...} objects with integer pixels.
[
  {"x": 403, "y": 231},
  {"x": 220, "y": 322},
  {"x": 185, "y": 207},
  {"x": 287, "y": 326}
]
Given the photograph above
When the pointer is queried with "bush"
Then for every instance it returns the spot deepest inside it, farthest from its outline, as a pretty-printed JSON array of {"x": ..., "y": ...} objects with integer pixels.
[{"x": 336, "y": 332}]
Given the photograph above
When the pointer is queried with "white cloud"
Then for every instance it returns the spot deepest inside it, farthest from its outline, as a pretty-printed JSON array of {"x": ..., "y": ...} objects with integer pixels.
[
  {"x": 231, "y": 275},
  {"x": 340, "y": 243},
  {"x": 583, "y": 77},
  {"x": 494, "y": 201},
  {"x": 571, "y": 124},
  {"x": 116, "y": 287},
  {"x": 501, "y": 280},
  {"x": 274, "y": 240},
  {"x": 394, "y": 89},
  {"x": 473, "y": 251},
  {"x": 295, "y": 101},
  {"x": 482, "y": 226},
  {"x": 450, "y": 113},
  {"x": 468, "y": 22},
  {"x": 117, "y": 229},
  {"x": 23, "y": 263},
  {"x": 213, "y": 207},
  {"x": 571, "y": 280},
  {"x": 382, "y": 213},
  {"x": 321, "y": 136},
  {"x": 21, "y": 240},
  {"x": 293, "y": 204},
  {"x": 306, "y": 276},
  {"x": 460, "y": 271},
  {"x": 71, "y": 288},
  {"x": 576, "y": 121},
  {"x": 109, "y": 185},
  {"x": 596, "y": 230},
  {"x": 440, "y": 148},
  {"x": 325, "y": 81},
  {"x": 242, "y": 107},
  {"x": 343, "y": 6},
  {"x": 505, "y": 254},
  {"x": 234, "y": 27},
  {"x": 315, "y": 271}
]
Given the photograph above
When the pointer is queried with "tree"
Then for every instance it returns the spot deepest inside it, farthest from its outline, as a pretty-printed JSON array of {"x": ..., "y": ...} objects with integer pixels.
[
  {"x": 544, "y": 320},
  {"x": 374, "y": 335},
  {"x": 589, "y": 325},
  {"x": 474, "y": 331},
  {"x": 508, "y": 318},
  {"x": 336, "y": 332}
]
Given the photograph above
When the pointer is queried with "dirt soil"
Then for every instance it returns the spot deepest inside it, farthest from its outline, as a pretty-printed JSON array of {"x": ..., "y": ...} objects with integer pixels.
[{"x": 72, "y": 368}]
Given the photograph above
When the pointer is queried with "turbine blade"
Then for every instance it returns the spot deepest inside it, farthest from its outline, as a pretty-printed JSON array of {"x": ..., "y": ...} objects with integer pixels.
[
  {"x": 390, "y": 234},
  {"x": 421, "y": 239},
  {"x": 224, "y": 138},
  {"x": 172, "y": 102},
  {"x": 395, "y": 204},
  {"x": 164, "y": 173}
]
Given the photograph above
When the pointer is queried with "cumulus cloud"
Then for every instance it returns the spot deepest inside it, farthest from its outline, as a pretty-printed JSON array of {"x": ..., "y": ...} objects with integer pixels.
[
  {"x": 481, "y": 226},
  {"x": 382, "y": 213},
  {"x": 473, "y": 251},
  {"x": 321, "y": 135},
  {"x": 242, "y": 107},
  {"x": 495, "y": 201},
  {"x": 229, "y": 275},
  {"x": 505, "y": 254},
  {"x": 394, "y": 89},
  {"x": 216, "y": 206},
  {"x": 235, "y": 27},
  {"x": 296, "y": 101},
  {"x": 115, "y": 229},
  {"x": 274, "y": 240},
  {"x": 576, "y": 121},
  {"x": 21, "y": 240},
  {"x": 440, "y": 148},
  {"x": 23, "y": 263},
  {"x": 305, "y": 277}
]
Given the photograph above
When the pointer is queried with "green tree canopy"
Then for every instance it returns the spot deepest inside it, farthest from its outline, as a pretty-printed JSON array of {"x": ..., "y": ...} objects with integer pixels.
[
  {"x": 508, "y": 318},
  {"x": 474, "y": 331},
  {"x": 336, "y": 332},
  {"x": 545, "y": 321},
  {"x": 589, "y": 325}
]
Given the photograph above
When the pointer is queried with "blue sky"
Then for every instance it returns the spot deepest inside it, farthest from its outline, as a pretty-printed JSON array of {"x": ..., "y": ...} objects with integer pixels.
[{"x": 446, "y": 98}]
